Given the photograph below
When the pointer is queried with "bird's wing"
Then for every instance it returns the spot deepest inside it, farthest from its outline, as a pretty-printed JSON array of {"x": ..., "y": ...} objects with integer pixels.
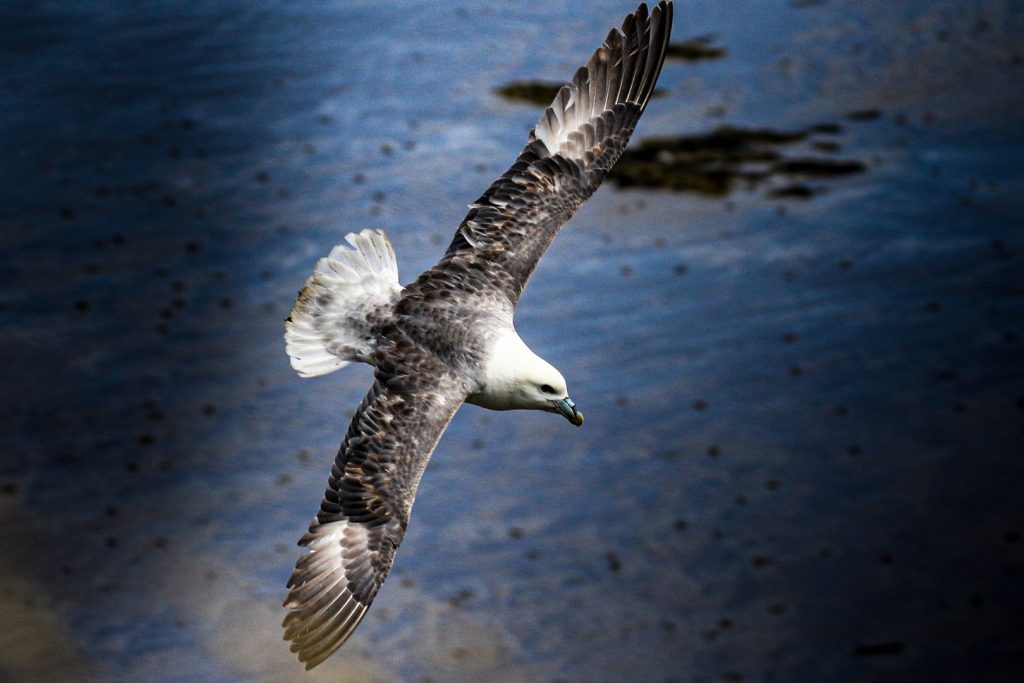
[
  {"x": 365, "y": 510},
  {"x": 569, "y": 152}
]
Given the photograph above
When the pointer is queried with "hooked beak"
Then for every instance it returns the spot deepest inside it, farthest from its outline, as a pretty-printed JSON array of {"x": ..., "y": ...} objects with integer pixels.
[{"x": 567, "y": 408}]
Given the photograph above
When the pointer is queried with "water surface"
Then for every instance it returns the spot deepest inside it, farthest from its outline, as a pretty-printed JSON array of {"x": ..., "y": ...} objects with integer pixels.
[{"x": 802, "y": 456}]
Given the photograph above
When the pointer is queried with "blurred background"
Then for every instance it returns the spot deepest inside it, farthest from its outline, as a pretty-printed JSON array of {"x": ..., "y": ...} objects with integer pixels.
[{"x": 793, "y": 319}]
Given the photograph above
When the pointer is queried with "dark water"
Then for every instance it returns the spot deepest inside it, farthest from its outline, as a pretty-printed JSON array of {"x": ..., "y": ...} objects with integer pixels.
[{"x": 803, "y": 452}]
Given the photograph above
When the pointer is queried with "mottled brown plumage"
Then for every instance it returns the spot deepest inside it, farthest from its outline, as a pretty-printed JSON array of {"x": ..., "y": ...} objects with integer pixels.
[{"x": 434, "y": 344}]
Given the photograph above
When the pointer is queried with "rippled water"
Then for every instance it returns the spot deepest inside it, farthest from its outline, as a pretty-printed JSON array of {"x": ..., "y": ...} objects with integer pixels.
[{"x": 802, "y": 455}]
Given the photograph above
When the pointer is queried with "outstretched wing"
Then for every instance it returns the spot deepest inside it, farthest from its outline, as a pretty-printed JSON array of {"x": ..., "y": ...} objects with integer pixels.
[
  {"x": 365, "y": 510},
  {"x": 577, "y": 140}
]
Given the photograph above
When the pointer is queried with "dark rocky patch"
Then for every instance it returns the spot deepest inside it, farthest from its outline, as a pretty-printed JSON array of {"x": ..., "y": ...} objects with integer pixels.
[
  {"x": 864, "y": 115},
  {"x": 696, "y": 49},
  {"x": 530, "y": 92},
  {"x": 717, "y": 163},
  {"x": 461, "y": 597},
  {"x": 875, "y": 649},
  {"x": 818, "y": 168},
  {"x": 614, "y": 563},
  {"x": 796, "y": 191}
]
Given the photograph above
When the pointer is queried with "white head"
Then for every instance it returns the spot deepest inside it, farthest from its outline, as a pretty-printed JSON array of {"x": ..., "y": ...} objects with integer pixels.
[{"x": 517, "y": 378}]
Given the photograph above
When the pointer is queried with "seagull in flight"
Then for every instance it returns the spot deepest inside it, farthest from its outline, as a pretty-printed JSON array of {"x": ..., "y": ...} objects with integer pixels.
[{"x": 447, "y": 338}]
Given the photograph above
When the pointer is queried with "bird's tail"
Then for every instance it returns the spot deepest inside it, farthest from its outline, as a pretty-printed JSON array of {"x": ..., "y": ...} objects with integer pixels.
[{"x": 335, "y": 317}]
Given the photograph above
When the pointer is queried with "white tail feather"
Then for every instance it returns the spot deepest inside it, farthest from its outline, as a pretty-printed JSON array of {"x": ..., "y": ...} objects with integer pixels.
[{"x": 332, "y": 319}]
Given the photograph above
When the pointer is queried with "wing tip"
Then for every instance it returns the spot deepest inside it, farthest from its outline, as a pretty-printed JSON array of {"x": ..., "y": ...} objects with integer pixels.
[
  {"x": 332, "y": 587},
  {"x": 324, "y": 611},
  {"x": 623, "y": 70}
]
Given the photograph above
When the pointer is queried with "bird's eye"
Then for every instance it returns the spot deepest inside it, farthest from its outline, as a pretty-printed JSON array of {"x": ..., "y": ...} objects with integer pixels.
[{"x": 547, "y": 388}]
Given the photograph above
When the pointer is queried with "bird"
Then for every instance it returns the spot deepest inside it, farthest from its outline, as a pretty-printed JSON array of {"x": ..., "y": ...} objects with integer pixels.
[{"x": 448, "y": 337}]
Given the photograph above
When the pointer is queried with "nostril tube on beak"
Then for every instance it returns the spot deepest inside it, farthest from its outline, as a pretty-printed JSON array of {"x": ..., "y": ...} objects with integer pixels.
[{"x": 567, "y": 408}]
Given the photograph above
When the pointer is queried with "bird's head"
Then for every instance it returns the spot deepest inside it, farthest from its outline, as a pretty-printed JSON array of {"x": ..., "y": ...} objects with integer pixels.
[
  {"x": 542, "y": 387},
  {"x": 515, "y": 378}
]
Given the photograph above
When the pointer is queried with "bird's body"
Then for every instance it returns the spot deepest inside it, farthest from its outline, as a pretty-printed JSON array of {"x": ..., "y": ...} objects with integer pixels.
[{"x": 448, "y": 337}]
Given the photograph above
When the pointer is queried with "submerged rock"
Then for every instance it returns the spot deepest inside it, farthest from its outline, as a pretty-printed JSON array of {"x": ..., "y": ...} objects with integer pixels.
[
  {"x": 714, "y": 163},
  {"x": 530, "y": 92},
  {"x": 696, "y": 49}
]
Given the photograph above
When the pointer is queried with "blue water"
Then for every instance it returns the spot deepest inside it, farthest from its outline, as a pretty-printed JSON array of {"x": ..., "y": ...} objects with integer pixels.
[{"x": 802, "y": 455}]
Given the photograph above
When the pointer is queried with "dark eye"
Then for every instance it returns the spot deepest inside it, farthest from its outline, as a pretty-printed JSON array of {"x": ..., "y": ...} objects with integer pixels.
[{"x": 546, "y": 388}]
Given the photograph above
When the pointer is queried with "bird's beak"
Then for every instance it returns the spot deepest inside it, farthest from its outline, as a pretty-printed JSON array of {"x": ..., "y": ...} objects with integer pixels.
[{"x": 567, "y": 408}]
